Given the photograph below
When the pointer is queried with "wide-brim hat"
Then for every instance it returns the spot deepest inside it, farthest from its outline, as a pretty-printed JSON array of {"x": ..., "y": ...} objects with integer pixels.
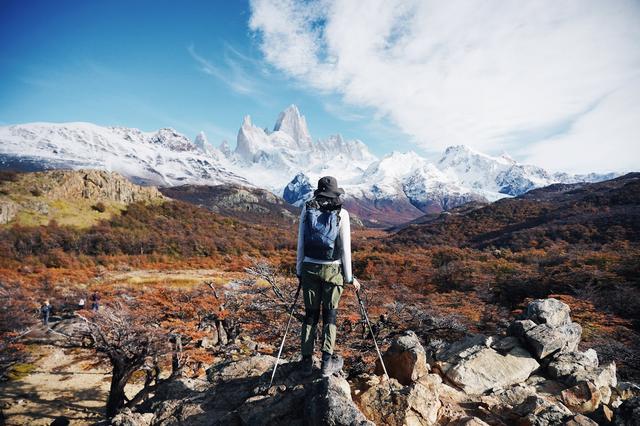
[{"x": 328, "y": 187}]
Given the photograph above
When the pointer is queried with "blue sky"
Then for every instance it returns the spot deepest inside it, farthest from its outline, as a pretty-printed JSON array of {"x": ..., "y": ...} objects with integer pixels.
[
  {"x": 551, "y": 83},
  {"x": 136, "y": 63}
]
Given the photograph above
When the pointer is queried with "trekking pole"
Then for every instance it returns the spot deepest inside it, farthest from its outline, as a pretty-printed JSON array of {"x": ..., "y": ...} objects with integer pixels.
[
  {"x": 366, "y": 317},
  {"x": 286, "y": 330}
]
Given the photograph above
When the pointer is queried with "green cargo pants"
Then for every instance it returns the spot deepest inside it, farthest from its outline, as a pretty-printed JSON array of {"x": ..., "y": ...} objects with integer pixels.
[{"x": 321, "y": 285}]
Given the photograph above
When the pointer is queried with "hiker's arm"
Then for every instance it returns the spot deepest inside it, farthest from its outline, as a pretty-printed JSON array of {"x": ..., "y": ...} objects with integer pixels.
[
  {"x": 345, "y": 236},
  {"x": 300, "y": 252}
]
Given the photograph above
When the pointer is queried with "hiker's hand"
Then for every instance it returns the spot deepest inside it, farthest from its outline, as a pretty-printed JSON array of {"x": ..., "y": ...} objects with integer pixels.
[{"x": 356, "y": 283}]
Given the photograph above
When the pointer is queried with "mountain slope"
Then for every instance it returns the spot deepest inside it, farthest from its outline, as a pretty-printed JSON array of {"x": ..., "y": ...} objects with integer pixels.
[
  {"x": 581, "y": 213},
  {"x": 162, "y": 158},
  {"x": 250, "y": 204}
]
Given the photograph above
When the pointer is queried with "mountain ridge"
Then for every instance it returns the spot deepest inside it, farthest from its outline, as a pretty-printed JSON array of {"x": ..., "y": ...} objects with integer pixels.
[{"x": 273, "y": 160}]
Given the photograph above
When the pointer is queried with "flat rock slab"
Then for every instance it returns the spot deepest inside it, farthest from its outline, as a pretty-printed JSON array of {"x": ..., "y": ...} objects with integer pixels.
[{"x": 487, "y": 369}]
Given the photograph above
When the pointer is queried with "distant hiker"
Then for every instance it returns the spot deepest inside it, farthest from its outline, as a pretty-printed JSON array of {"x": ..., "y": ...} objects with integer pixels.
[
  {"x": 81, "y": 304},
  {"x": 45, "y": 311},
  {"x": 323, "y": 266},
  {"x": 95, "y": 301}
]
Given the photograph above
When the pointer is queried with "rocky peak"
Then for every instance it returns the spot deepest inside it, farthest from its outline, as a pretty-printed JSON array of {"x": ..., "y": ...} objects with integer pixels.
[
  {"x": 298, "y": 190},
  {"x": 171, "y": 139},
  {"x": 225, "y": 148},
  {"x": 291, "y": 122},
  {"x": 201, "y": 141}
]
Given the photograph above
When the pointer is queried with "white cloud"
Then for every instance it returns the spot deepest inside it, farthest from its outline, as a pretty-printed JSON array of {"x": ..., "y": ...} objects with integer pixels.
[{"x": 537, "y": 78}]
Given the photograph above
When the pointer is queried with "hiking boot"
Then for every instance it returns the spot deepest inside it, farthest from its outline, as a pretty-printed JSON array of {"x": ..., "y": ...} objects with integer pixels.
[
  {"x": 307, "y": 365},
  {"x": 331, "y": 364}
]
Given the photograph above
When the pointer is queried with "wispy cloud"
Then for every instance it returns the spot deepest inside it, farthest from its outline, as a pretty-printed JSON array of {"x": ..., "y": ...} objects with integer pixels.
[
  {"x": 492, "y": 75},
  {"x": 233, "y": 73}
]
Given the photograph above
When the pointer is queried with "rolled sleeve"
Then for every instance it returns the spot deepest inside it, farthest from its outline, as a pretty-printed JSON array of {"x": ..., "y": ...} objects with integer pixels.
[{"x": 345, "y": 235}]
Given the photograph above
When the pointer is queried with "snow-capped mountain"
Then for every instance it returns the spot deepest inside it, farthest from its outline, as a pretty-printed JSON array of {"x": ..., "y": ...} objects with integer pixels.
[
  {"x": 163, "y": 158},
  {"x": 285, "y": 161},
  {"x": 270, "y": 159}
]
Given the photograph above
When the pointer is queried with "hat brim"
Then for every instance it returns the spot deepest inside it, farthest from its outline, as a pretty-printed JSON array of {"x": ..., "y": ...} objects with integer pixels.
[{"x": 330, "y": 194}]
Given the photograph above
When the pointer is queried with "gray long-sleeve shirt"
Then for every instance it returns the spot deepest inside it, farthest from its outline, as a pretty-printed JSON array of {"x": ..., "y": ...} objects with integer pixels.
[{"x": 344, "y": 234}]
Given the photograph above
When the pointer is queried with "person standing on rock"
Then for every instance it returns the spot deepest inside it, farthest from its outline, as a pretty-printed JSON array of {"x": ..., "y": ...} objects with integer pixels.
[
  {"x": 323, "y": 266},
  {"x": 45, "y": 311},
  {"x": 95, "y": 301}
]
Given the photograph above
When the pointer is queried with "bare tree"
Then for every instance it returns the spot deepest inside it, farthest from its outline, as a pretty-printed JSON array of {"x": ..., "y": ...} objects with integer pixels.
[
  {"x": 130, "y": 343},
  {"x": 261, "y": 269}
]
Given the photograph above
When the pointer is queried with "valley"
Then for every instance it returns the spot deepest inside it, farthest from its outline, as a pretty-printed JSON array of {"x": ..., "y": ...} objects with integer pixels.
[{"x": 444, "y": 276}]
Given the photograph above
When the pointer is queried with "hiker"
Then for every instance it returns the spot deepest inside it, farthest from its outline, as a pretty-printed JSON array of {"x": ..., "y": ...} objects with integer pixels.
[
  {"x": 323, "y": 266},
  {"x": 95, "y": 301},
  {"x": 45, "y": 311},
  {"x": 81, "y": 304}
]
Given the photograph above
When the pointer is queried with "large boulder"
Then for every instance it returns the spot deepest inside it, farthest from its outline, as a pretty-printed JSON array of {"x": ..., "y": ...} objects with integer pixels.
[
  {"x": 476, "y": 368},
  {"x": 405, "y": 359},
  {"x": 546, "y": 339},
  {"x": 392, "y": 404},
  {"x": 238, "y": 393},
  {"x": 571, "y": 364},
  {"x": 549, "y": 311}
]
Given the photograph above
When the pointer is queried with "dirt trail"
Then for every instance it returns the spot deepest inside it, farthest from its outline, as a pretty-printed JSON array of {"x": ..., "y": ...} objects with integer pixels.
[{"x": 63, "y": 384}]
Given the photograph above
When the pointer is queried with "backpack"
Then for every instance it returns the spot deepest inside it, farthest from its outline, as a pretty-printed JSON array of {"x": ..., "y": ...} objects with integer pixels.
[{"x": 322, "y": 225}]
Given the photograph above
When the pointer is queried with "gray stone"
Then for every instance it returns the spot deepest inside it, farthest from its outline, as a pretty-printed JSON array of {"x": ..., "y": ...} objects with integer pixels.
[
  {"x": 548, "y": 311},
  {"x": 476, "y": 372},
  {"x": 126, "y": 417},
  {"x": 405, "y": 359},
  {"x": 516, "y": 394},
  {"x": 462, "y": 348},
  {"x": 546, "y": 340},
  {"x": 570, "y": 363},
  {"x": 537, "y": 411}
]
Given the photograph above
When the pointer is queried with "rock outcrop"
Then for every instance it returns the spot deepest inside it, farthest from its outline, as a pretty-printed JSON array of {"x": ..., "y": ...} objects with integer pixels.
[
  {"x": 8, "y": 210},
  {"x": 96, "y": 185},
  {"x": 478, "y": 380}
]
